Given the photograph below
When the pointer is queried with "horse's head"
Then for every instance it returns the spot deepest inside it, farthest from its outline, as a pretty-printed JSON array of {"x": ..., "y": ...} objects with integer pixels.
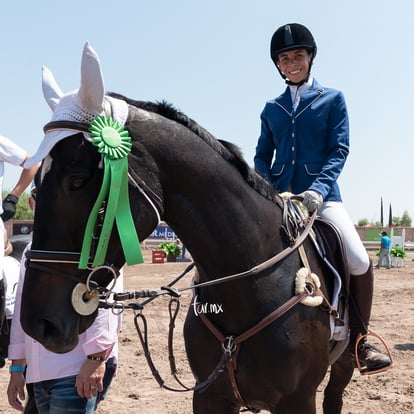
[{"x": 73, "y": 233}]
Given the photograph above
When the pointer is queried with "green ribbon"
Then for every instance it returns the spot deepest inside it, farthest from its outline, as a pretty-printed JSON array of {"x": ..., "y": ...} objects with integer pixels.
[{"x": 114, "y": 144}]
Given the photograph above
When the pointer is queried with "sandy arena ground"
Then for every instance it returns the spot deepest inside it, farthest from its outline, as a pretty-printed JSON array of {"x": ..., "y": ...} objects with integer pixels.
[{"x": 134, "y": 390}]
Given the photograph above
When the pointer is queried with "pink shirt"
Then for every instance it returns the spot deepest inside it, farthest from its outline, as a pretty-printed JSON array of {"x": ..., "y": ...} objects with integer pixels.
[{"x": 43, "y": 364}]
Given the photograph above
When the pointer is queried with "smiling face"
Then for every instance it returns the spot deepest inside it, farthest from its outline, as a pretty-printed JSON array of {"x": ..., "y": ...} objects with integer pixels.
[{"x": 294, "y": 64}]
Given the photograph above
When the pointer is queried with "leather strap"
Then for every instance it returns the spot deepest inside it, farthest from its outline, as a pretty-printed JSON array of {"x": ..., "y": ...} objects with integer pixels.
[{"x": 71, "y": 125}]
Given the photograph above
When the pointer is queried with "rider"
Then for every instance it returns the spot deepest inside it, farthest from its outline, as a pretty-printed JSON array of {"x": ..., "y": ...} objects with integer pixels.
[{"x": 307, "y": 130}]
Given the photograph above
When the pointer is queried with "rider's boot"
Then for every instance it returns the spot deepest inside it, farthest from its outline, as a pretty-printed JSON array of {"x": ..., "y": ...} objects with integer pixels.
[{"x": 362, "y": 289}]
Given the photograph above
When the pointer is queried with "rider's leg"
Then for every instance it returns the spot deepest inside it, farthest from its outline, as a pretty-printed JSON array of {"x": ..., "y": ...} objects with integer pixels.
[
  {"x": 361, "y": 285},
  {"x": 361, "y": 288}
]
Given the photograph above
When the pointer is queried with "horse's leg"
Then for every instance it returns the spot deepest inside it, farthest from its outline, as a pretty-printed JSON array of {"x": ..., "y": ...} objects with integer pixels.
[{"x": 341, "y": 374}]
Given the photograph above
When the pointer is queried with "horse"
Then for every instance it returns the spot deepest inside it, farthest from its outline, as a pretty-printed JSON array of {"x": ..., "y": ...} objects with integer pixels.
[{"x": 261, "y": 351}]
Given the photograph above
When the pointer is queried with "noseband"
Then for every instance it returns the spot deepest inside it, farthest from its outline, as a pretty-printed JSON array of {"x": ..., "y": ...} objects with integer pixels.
[{"x": 87, "y": 293}]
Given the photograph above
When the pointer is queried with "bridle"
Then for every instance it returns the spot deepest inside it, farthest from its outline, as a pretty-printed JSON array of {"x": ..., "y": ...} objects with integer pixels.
[{"x": 87, "y": 292}]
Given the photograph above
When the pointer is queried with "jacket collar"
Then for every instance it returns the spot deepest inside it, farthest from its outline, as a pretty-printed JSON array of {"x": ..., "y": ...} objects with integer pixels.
[{"x": 285, "y": 100}]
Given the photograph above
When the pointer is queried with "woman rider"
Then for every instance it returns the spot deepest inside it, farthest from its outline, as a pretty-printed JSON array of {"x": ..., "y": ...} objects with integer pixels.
[{"x": 305, "y": 131}]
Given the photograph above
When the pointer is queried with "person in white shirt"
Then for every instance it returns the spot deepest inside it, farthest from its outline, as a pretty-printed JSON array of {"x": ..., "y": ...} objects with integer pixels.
[
  {"x": 72, "y": 382},
  {"x": 13, "y": 154}
]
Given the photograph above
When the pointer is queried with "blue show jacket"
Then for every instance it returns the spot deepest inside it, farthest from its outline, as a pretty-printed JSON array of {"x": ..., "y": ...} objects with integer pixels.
[{"x": 310, "y": 145}]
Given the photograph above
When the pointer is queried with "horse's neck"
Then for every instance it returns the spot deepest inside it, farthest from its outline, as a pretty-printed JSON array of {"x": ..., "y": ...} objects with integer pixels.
[{"x": 231, "y": 235}]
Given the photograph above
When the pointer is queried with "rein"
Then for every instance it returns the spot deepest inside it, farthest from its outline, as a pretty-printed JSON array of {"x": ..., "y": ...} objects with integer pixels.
[
  {"x": 268, "y": 263},
  {"x": 230, "y": 344}
]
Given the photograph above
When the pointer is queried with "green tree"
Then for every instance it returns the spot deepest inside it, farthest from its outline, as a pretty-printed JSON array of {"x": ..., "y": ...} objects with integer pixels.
[
  {"x": 395, "y": 221},
  {"x": 23, "y": 211},
  {"x": 406, "y": 219},
  {"x": 362, "y": 222},
  {"x": 403, "y": 221}
]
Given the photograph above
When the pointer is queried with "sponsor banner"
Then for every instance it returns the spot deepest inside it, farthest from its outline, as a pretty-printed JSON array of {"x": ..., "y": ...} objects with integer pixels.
[{"x": 163, "y": 233}]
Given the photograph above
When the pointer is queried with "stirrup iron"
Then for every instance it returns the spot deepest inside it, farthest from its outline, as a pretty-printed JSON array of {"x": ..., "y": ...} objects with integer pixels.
[{"x": 388, "y": 352}]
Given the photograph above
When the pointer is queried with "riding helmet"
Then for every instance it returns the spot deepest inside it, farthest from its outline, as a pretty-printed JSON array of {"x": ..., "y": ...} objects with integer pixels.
[{"x": 289, "y": 37}]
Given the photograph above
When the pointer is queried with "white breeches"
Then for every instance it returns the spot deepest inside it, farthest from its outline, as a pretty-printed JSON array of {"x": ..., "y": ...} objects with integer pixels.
[{"x": 358, "y": 259}]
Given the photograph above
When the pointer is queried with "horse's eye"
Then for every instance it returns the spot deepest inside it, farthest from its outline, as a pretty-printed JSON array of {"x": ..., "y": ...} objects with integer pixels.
[{"x": 76, "y": 183}]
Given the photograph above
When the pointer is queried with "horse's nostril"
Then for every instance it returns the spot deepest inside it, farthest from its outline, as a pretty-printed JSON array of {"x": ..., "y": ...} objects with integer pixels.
[
  {"x": 53, "y": 337},
  {"x": 47, "y": 331}
]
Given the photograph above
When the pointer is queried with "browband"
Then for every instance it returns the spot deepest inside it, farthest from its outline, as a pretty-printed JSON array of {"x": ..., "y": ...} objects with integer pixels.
[{"x": 76, "y": 126}]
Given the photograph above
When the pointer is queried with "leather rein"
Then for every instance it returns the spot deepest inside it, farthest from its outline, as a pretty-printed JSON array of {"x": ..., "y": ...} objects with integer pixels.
[{"x": 230, "y": 344}]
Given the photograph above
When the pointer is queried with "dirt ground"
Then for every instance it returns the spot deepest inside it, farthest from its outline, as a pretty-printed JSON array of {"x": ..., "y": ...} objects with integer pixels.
[{"x": 135, "y": 390}]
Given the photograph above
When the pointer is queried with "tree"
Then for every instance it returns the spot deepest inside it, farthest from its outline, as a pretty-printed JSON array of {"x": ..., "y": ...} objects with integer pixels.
[
  {"x": 23, "y": 210},
  {"x": 363, "y": 222},
  {"x": 405, "y": 220},
  {"x": 390, "y": 217}
]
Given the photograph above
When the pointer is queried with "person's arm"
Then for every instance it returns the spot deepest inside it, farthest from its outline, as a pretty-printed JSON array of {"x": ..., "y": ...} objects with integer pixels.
[
  {"x": 101, "y": 340},
  {"x": 15, "y": 389},
  {"x": 98, "y": 345},
  {"x": 26, "y": 177},
  {"x": 338, "y": 147},
  {"x": 264, "y": 150},
  {"x": 90, "y": 378},
  {"x": 16, "y": 350},
  {"x": 10, "y": 201}
]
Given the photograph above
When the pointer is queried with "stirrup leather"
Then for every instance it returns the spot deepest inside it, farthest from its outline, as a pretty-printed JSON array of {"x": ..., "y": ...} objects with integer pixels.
[{"x": 388, "y": 352}]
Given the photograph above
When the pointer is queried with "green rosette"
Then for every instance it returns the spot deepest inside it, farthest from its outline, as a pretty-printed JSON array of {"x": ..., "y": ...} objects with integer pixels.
[{"x": 114, "y": 143}]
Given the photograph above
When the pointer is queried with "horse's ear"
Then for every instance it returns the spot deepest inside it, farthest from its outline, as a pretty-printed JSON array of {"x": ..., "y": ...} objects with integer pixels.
[
  {"x": 91, "y": 91},
  {"x": 51, "y": 90}
]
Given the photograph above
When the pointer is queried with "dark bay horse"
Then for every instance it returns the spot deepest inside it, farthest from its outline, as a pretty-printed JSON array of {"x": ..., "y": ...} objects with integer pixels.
[{"x": 227, "y": 216}]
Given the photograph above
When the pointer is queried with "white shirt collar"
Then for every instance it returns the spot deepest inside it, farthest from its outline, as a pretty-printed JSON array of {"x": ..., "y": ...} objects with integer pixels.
[{"x": 297, "y": 91}]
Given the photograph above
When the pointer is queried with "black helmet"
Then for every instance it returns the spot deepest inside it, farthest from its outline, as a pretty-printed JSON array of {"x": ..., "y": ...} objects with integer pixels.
[{"x": 289, "y": 37}]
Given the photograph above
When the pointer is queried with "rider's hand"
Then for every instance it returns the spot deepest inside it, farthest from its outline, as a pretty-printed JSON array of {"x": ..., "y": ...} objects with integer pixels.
[
  {"x": 9, "y": 207},
  {"x": 312, "y": 200}
]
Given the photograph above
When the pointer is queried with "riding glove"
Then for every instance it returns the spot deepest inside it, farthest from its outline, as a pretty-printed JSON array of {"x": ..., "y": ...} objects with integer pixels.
[
  {"x": 9, "y": 207},
  {"x": 312, "y": 200}
]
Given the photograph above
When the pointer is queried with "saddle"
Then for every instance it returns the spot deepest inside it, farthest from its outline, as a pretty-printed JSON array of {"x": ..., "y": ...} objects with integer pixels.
[
  {"x": 332, "y": 249},
  {"x": 330, "y": 246}
]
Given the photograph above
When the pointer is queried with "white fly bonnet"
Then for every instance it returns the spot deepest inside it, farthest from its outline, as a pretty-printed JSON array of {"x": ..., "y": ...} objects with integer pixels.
[{"x": 81, "y": 105}]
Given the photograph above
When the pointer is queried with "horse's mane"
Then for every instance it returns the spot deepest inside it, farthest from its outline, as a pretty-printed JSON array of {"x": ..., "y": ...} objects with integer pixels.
[{"x": 229, "y": 151}]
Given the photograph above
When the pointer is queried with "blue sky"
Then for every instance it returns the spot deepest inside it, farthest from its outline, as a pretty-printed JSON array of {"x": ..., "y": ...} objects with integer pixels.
[{"x": 211, "y": 60}]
